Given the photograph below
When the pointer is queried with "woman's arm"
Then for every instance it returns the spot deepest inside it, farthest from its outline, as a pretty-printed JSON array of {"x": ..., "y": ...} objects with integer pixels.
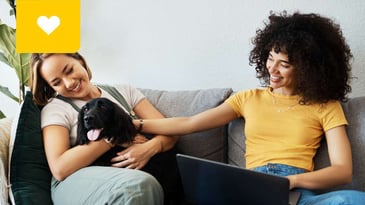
[
  {"x": 340, "y": 170},
  {"x": 64, "y": 161},
  {"x": 137, "y": 155},
  {"x": 145, "y": 110},
  {"x": 212, "y": 118}
]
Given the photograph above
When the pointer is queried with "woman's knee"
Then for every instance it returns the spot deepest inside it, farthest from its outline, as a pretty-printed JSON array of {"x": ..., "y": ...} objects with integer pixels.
[
  {"x": 150, "y": 184},
  {"x": 140, "y": 188},
  {"x": 106, "y": 185}
]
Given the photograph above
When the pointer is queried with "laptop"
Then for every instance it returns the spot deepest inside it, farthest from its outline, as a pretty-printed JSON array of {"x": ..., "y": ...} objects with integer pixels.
[{"x": 207, "y": 182}]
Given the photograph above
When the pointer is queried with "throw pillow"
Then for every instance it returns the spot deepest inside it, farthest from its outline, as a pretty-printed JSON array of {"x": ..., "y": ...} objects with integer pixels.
[
  {"x": 29, "y": 174},
  {"x": 208, "y": 144},
  {"x": 5, "y": 125}
]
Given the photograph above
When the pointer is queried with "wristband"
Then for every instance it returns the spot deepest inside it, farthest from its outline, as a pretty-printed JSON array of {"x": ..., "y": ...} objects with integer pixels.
[{"x": 140, "y": 126}]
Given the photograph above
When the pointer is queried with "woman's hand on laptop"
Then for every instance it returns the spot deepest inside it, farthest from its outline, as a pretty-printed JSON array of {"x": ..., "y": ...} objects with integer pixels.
[{"x": 292, "y": 179}]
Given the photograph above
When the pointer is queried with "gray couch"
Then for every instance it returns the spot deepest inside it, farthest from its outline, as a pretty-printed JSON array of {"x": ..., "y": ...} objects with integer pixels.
[{"x": 226, "y": 144}]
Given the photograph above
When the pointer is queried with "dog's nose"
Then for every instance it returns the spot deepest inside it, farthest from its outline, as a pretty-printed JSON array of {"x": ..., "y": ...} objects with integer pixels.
[{"x": 88, "y": 119}]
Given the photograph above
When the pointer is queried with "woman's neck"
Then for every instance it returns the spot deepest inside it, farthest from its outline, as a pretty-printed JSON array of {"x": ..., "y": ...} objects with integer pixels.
[{"x": 282, "y": 91}]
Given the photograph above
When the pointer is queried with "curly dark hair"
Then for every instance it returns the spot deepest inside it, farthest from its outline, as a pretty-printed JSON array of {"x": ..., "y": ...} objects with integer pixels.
[{"x": 315, "y": 47}]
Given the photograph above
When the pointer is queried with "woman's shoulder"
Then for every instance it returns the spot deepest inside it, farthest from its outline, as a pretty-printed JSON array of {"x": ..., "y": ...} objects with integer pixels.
[
  {"x": 245, "y": 95},
  {"x": 131, "y": 94},
  {"x": 122, "y": 88},
  {"x": 58, "y": 112},
  {"x": 330, "y": 106},
  {"x": 253, "y": 92},
  {"x": 56, "y": 105}
]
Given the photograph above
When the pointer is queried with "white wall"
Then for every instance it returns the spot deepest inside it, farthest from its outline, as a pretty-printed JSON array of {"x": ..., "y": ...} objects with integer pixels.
[
  {"x": 193, "y": 44},
  {"x": 8, "y": 77},
  {"x": 190, "y": 44}
]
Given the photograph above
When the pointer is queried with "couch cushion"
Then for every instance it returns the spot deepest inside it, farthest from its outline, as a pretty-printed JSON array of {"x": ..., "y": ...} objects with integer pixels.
[
  {"x": 209, "y": 144},
  {"x": 29, "y": 175},
  {"x": 355, "y": 115},
  {"x": 236, "y": 143}
]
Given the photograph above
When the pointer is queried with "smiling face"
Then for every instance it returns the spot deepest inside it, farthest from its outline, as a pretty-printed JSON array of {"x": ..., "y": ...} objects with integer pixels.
[
  {"x": 281, "y": 73},
  {"x": 68, "y": 77}
]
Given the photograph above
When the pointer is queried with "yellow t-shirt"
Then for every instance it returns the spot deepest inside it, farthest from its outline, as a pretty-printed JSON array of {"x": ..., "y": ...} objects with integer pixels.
[{"x": 279, "y": 130}]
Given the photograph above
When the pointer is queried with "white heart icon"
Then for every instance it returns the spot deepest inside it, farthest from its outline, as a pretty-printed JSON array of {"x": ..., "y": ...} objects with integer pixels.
[{"x": 48, "y": 25}]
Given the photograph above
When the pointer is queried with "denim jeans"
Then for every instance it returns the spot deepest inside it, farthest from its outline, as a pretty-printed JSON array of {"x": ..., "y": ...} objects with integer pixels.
[{"x": 341, "y": 197}]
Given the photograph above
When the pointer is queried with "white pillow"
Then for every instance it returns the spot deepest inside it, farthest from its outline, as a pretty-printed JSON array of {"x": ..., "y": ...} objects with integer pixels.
[{"x": 5, "y": 126}]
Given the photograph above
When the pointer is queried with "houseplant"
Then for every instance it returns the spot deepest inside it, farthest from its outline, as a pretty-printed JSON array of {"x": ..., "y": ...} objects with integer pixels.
[{"x": 17, "y": 61}]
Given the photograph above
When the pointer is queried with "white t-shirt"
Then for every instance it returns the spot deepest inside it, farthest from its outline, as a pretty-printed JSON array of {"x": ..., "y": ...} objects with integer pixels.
[{"x": 59, "y": 112}]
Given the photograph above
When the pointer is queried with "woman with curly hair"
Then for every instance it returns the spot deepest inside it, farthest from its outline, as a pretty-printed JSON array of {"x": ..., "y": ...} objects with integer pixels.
[{"x": 303, "y": 63}]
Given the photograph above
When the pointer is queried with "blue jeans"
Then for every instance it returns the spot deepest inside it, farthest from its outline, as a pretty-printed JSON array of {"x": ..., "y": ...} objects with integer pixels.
[{"x": 341, "y": 197}]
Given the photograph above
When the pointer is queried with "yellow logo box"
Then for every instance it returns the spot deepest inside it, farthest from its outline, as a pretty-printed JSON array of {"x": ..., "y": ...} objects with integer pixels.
[{"x": 48, "y": 26}]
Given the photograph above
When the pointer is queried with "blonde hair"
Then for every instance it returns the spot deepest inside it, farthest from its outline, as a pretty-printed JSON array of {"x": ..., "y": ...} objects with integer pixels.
[{"x": 39, "y": 87}]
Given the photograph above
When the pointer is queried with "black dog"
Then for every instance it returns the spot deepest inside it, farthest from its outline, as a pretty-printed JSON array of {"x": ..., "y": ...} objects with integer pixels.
[{"x": 100, "y": 118}]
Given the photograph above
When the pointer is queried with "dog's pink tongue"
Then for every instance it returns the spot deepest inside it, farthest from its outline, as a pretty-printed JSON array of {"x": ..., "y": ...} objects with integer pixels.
[{"x": 93, "y": 134}]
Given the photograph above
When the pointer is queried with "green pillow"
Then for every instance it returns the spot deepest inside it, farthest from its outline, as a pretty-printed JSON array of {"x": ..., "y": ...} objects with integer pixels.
[{"x": 29, "y": 174}]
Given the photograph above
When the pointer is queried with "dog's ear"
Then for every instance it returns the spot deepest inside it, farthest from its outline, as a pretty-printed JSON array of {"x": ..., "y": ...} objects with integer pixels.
[
  {"x": 126, "y": 126},
  {"x": 81, "y": 130}
]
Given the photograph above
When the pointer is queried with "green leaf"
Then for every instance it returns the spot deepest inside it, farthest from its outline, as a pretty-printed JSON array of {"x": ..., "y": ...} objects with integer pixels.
[
  {"x": 18, "y": 61},
  {"x": 13, "y": 6},
  {"x": 3, "y": 59},
  {"x": 7, "y": 48},
  {"x": 7, "y": 39},
  {"x": 11, "y": 2},
  {"x": 2, "y": 115},
  {"x": 7, "y": 92},
  {"x": 12, "y": 13}
]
